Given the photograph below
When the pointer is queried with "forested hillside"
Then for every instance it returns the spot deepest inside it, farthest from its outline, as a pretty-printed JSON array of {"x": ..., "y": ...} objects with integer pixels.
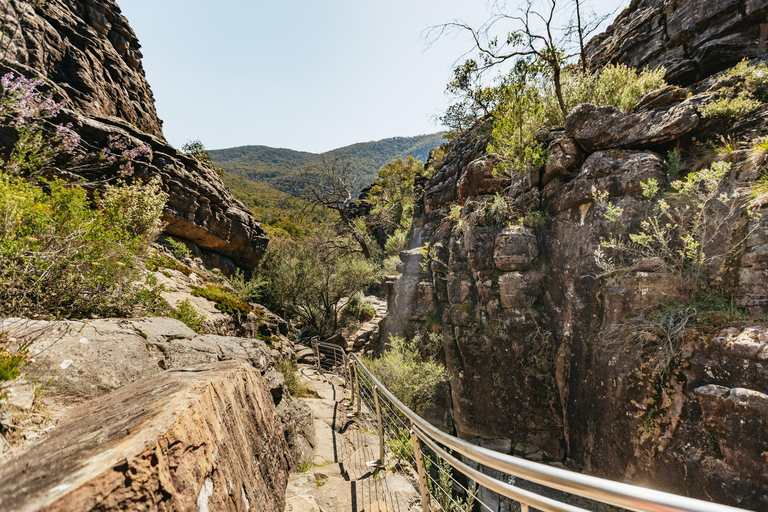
[{"x": 277, "y": 167}]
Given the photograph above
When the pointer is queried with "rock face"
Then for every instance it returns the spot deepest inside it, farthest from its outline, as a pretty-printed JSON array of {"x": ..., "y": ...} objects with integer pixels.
[
  {"x": 91, "y": 55},
  {"x": 203, "y": 438},
  {"x": 83, "y": 361},
  {"x": 692, "y": 39},
  {"x": 529, "y": 323}
]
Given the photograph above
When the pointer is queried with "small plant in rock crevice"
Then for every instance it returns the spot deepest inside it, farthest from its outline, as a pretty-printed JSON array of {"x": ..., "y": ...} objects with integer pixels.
[
  {"x": 745, "y": 87},
  {"x": 178, "y": 248},
  {"x": 186, "y": 312}
]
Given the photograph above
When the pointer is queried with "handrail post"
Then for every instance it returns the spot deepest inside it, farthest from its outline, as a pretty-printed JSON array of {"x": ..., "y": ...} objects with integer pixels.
[
  {"x": 348, "y": 384},
  {"x": 523, "y": 507},
  {"x": 355, "y": 389},
  {"x": 422, "y": 470},
  {"x": 378, "y": 463},
  {"x": 317, "y": 360}
]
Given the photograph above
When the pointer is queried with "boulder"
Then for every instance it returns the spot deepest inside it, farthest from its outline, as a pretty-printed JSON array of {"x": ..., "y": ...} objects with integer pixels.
[
  {"x": 520, "y": 289},
  {"x": 480, "y": 179},
  {"x": 607, "y": 127},
  {"x": 516, "y": 248},
  {"x": 663, "y": 97},
  {"x": 617, "y": 172},
  {"x": 564, "y": 158},
  {"x": 202, "y": 438},
  {"x": 734, "y": 416}
]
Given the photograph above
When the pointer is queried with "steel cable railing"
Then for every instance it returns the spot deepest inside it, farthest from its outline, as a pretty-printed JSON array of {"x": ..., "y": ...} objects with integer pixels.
[{"x": 437, "y": 458}]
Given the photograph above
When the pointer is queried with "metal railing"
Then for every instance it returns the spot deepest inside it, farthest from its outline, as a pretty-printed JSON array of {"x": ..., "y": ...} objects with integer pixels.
[
  {"x": 436, "y": 457},
  {"x": 331, "y": 358}
]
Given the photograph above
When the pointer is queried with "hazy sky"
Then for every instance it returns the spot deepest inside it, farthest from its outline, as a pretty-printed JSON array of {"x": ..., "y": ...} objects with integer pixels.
[{"x": 301, "y": 74}]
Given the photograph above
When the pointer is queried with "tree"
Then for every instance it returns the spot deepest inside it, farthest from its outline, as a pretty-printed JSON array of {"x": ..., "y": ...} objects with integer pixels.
[
  {"x": 197, "y": 150},
  {"x": 538, "y": 39},
  {"x": 328, "y": 184},
  {"x": 392, "y": 193},
  {"x": 308, "y": 279}
]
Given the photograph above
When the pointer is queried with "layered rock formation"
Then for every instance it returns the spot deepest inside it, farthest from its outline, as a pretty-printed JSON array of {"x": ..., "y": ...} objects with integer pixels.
[
  {"x": 91, "y": 55},
  {"x": 82, "y": 361},
  {"x": 529, "y": 323},
  {"x": 692, "y": 39},
  {"x": 203, "y": 438}
]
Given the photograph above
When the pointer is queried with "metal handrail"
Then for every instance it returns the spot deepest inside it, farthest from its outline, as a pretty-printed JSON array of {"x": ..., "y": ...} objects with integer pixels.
[
  {"x": 631, "y": 497},
  {"x": 317, "y": 345}
]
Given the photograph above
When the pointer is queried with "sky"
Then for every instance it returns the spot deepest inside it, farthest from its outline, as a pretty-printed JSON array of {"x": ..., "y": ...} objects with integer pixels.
[{"x": 307, "y": 75}]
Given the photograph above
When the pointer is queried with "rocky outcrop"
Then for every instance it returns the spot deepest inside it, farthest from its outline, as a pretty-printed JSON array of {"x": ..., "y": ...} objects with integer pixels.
[
  {"x": 82, "y": 361},
  {"x": 91, "y": 56},
  {"x": 87, "y": 49},
  {"x": 606, "y": 127},
  {"x": 692, "y": 39},
  {"x": 530, "y": 325},
  {"x": 202, "y": 438}
]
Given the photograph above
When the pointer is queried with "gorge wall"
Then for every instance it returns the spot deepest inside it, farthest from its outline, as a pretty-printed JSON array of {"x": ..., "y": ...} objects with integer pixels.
[
  {"x": 525, "y": 321},
  {"x": 91, "y": 56}
]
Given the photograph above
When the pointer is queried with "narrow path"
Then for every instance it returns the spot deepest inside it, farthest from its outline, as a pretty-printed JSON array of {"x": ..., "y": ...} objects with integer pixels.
[
  {"x": 338, "y": 478},
  {"x": 364, "y": 332}
]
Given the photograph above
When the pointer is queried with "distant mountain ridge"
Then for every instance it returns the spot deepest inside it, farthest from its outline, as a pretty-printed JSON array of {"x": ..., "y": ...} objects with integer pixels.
[{"x": 278, "y": 167}]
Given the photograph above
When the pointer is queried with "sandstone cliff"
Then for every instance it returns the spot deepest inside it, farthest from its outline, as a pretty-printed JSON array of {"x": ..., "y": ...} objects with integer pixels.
[
  {"x": 691, "y": 39},
  {"x": 526, "y": 321},
  {"x": 91, "y": 56}
]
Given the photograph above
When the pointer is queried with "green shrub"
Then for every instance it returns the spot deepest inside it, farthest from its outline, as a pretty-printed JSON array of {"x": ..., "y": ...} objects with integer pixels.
[
  {"x": 178, "y": 248},
  {"x": 156, "y": 261},
  {"x": 136, "y": 208},
  {"x": 290, "y": 371},
  {"x": 528, "y": 103},
  {"x": 359, "y": 308},
  {"x": 13, "y": 357},
  {"x": 396, "y": 242},
  {"x": 249, "y": 289},
  {"x": 225, "y": 301},
  {"x": 187, "y": 313},
  {"x": 749, "y": 92},
  {"x": 59, "y": 256},
  {"x": 413, "y": 380}
]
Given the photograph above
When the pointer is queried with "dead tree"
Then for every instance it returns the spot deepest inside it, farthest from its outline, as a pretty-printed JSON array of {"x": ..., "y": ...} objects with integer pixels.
[{"x": 328, "y": 184}]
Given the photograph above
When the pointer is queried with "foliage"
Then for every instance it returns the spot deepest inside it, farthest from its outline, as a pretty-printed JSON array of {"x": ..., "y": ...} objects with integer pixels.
[
  {"x": 678, "y": 228},
  {"x": 443, "y": 490},
  {"x": 401, "y": 445},
  {"x": 656, "y": 337},
  {"x": 528, "y": 103},
  {"x": 281, "y": 214},
  {"x": 413, "y": 380},
  {"x": 225, "y": 301},
  {"x": 59, "y": 256},
  {"x": 359, "y": 308},
  {"x": 744, "y": 88},
  {"x": 392, "y": 193},
  {"x": 136, "y": 208},
  {"x": 396, "y": 242},
  {"x": 13, "y": 357},
  {"x": 249, "y": 289},
  {"x": 290, "y": 371},
  {"x": 307, "y": 279},
  {"x": 675, "y": 165},
  {"x": 178, "y": 248},
  {"x": 186, "y": 312},
  {"x": 197, "y": 150}
]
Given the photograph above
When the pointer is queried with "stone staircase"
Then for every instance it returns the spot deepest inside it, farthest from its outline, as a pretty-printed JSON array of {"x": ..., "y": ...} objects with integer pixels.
[
  {"x": 368, "y": 330},
  {"x": 338, "y": 478}
]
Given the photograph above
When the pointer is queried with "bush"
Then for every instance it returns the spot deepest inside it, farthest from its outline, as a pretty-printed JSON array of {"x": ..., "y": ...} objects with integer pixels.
[
  {"x": 413, "y": 380},
  {"x": 187, "y": 313},
  {"x": 225, "y": 300},
  {"x": 59, "y": 256},
  {"x": 396, "y": 242},
  {"x": 528, "y": 103},
  {"x": 178, "y": 248},
  {"x": 359, "y": 308},
  {"x": 290, "y": 371},
  {"x": 13, "y": 357},
  {"x": 249, "y": 289},
  {"x": 749, "y": 91},
  {"x": 136, "y": 208},
  {"x": 678, "y": 228}
]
